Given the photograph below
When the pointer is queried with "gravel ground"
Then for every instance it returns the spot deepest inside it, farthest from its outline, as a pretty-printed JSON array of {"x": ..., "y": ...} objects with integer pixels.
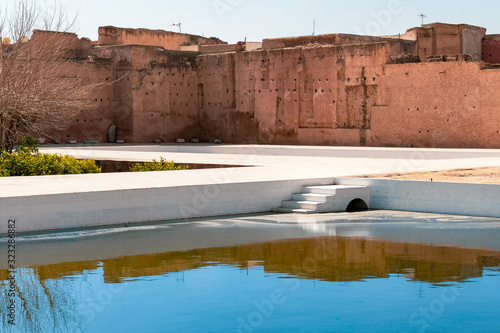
[{"x": 489, "y": 175}]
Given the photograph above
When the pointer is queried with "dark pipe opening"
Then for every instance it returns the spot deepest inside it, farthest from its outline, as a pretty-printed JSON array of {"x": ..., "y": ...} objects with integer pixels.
[{"x": 356, "y": 205}]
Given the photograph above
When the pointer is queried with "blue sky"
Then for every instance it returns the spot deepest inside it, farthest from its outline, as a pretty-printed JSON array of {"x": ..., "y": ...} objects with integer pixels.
[{"x": 233, "y": 20}]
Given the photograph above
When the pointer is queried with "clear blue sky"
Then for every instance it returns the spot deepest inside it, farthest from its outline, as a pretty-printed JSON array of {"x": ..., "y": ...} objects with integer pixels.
[{"x": 233, "y": 20}]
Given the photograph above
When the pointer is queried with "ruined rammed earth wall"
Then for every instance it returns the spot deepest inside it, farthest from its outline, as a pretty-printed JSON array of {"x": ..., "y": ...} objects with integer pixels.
[
  {"x": 167, "y": 39},
  {"x": 348, "y": 95},
  {"x": 318, "y": 95},
  {"x": 438, "y": 105},
  {"x": 491, "y": 49},
  {"x": 306, "y": 93},
  {"x": 155, "y": 95},
  {"x": 93, "y": 122}
]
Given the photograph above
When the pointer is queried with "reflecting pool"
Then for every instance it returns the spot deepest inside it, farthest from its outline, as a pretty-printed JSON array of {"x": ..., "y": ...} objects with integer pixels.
[{"x": 373, "y": 271}]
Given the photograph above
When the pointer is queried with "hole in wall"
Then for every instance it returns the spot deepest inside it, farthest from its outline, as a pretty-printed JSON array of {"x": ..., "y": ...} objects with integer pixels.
[{"x": 356, "y": 205}]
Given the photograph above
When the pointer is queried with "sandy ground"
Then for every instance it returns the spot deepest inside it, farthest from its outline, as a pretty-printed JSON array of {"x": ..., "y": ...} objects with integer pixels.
[{"x": 489, "y": 175}]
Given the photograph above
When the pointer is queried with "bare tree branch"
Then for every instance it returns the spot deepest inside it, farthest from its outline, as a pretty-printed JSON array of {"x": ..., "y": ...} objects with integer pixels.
[{"x": 39, "y": 92}]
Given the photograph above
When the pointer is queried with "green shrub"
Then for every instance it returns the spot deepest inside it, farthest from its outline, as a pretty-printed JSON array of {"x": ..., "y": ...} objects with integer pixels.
[
  {"x": 25, "y": 160},
  {"x": 29, "y": 164},
  {"x": 161, "y": 165},
  {"x": 27, "y": 144}
]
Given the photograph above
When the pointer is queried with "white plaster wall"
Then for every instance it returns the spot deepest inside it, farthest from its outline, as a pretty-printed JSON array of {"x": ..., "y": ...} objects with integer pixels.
[
  {"x": 93, "y": 209},
  {"x": 430, "y": 197}
]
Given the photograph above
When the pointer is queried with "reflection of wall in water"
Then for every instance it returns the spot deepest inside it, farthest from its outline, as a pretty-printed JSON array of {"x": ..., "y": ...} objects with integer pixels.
[{"x": 327, "y": 258}]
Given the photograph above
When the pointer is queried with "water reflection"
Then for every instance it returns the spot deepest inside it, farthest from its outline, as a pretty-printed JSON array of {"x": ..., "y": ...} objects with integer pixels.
[{"x": 68, "y": 296}]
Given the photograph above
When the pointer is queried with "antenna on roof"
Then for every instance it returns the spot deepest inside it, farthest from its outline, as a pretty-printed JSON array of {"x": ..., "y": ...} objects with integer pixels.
[
  {"x": 178, "y": 25},
  {"x": 314, "y": 26},
  {"x": 422, "y": 16}
]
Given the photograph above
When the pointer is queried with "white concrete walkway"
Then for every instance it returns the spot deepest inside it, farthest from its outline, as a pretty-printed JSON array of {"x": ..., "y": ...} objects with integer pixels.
[{"x": 272, "y": 174}]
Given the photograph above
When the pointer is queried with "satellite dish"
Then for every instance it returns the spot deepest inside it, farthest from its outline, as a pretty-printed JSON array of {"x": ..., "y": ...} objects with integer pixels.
[{"x": 6, "y": 41}]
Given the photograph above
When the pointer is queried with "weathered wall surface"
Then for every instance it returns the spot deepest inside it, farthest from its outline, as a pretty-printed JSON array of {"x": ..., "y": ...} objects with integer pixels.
[
  {"x": 318, "y": 90},
  {"x": 348, "y": 95},
  {"x": 491, "y": 49},
  {"x": 93, "y": 122},
  {"x": 67, "y": 45},
  {"x": 166, "y": 39},
  {"x": 295, "y": 95},
  {"x": 165, "y": 100},
  {"x": 438, "y": 105},
  {"x": 471, "y": 41},
  {"x": 155, "y": 96},
  {"x": 447, "y": 39}
]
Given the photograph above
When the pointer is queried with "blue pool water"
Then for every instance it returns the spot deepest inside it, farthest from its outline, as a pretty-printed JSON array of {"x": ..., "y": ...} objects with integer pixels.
[{"x": 282, "y": 278}]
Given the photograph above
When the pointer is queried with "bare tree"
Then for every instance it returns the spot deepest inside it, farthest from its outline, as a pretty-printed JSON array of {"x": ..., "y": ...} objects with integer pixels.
[{"x": 39, "y": 91}]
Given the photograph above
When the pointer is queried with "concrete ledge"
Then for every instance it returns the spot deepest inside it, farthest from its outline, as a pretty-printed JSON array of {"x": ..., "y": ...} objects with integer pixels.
[
  {"x": 430, "y": 197},
  {"x": 102, "y": 208},
  {"x": 274, "y": 173}
]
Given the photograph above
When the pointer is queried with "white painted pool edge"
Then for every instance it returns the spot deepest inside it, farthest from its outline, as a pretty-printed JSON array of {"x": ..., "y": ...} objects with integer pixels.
[
  {"x": 118, "y": 207},
  {"x": 430, "y": 197},
  {"x": 115, "y": 207}
]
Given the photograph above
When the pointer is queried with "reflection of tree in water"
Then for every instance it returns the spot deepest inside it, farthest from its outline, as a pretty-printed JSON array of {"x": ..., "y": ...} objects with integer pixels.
[
  {"x": 50, "y": 305},
  {"x": 67, "y": 296}
]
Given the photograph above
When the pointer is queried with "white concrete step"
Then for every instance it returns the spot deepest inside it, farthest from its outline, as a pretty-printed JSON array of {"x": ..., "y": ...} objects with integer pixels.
[
  {"x": 291, "y": 210},
  {"x": 330, "y": 189},
  {"x": 326, "y": 198},
  {"x": 308, "y": 205},
  {"x": 312, "y": 197}
]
